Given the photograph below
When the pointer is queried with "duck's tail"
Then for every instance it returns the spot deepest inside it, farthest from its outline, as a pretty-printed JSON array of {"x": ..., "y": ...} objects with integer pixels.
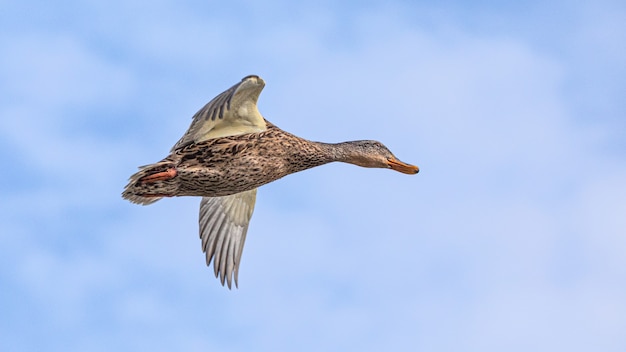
[{"x": 151, "y": 183}]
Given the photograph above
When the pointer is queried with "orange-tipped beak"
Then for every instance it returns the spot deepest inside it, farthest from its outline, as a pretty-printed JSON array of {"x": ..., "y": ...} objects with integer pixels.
[{"x": 405, "y": 168}]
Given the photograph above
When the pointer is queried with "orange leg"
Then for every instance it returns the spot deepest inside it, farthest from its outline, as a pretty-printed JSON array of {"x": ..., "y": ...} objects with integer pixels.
[{"x": 160, "y": 176}]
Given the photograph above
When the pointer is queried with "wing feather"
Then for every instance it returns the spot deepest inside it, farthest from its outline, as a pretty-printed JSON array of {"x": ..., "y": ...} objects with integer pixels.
[
  {"x": 232, "y": 112},
  {"x": 223, "y": 227}
]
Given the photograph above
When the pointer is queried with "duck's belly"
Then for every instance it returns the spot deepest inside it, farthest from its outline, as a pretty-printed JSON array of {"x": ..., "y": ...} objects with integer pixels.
[{"x": 227, "y": 177}]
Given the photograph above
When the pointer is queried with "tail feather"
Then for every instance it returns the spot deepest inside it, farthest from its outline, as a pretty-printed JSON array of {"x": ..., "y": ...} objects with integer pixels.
[{"x": 146, "y": 186}]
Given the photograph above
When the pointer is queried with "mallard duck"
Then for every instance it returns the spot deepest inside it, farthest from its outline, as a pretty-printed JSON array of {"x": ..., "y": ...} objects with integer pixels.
[{"x": 226, "y": 154}]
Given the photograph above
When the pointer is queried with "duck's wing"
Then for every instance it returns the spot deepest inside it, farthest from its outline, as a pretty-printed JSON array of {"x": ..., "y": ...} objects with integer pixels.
[
  {"x": 232, "y": 112},
  {"x": 223, "y": 226}
]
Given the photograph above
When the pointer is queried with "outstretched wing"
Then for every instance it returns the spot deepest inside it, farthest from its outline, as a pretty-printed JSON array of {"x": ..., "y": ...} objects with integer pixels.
[
  {"x": 223, "y": 226},
  {"x": 232, "y": 112}
]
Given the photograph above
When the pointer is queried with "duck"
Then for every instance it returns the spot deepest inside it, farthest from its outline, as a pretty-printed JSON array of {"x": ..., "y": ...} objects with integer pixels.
[{"x": 228, "y": 152}]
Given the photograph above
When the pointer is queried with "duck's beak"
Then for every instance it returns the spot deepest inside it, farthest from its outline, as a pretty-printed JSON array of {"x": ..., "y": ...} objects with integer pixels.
[{"x": 400, "y": 166}]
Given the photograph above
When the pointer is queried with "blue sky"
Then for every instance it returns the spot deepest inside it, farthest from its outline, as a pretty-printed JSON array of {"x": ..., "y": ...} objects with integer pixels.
[{"x": 512, "y": 237}]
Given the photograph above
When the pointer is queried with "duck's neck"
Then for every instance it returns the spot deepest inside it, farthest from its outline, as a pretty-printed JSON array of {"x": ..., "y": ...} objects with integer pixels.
[
  {"x": 342, "y": 152},
  {"x": 304, "y": 154}
]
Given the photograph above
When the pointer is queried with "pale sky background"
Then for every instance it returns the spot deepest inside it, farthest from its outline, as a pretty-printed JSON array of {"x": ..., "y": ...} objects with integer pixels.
[{"x": 511, "y": 238}]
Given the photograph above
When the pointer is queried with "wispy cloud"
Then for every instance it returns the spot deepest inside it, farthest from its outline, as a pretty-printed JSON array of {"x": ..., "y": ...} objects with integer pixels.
[{"x": 511, "y": 234}]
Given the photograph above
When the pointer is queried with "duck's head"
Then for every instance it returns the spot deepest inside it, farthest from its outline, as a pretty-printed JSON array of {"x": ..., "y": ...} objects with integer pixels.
[{"x": 374, "y": 154}]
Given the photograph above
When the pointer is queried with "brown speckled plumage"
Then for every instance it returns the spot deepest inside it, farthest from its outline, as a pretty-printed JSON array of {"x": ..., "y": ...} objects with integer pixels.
[
  {"x": 228, "y": 152},
  {"x": 229, "y": 165}
]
